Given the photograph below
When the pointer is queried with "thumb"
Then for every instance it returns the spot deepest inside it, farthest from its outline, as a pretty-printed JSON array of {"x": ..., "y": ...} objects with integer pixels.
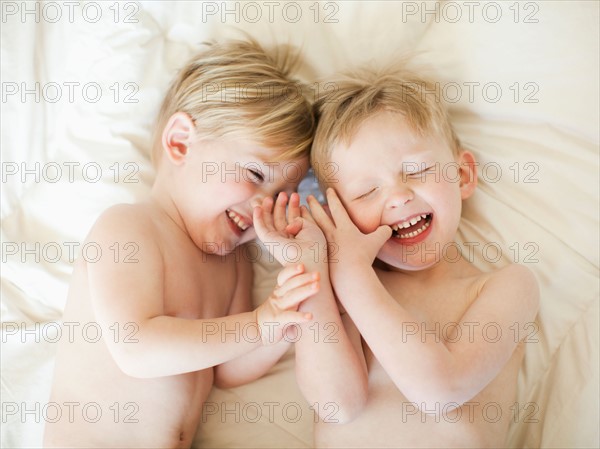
[
  {"x": 292, "y": 317},
  {"x": 380, "y": 235},
  {"x": 295, "y": 226}
]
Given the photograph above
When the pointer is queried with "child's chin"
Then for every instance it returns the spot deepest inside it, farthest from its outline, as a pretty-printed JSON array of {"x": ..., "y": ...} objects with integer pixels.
[
  {"x": 247, "y": 236},
  {"x": 413, "y": 263},
  {"x": 231, "y": 245}
]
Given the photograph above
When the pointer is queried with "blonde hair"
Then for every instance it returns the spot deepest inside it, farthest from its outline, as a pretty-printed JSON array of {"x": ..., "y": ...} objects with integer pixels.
[
  {"x": 358, "y": 95},
  {"x": 234, "y": 88}
]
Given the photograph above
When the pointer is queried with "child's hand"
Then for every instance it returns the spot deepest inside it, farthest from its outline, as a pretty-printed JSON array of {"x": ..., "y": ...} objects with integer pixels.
[
  {"x": 292, "y": 239},
  {"x": 280, "y": 310},
  {"x": 349, "y": 244}
]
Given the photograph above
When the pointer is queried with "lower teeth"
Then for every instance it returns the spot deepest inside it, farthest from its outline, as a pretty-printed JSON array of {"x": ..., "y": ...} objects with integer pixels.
[{"x": 413, "y": 233}]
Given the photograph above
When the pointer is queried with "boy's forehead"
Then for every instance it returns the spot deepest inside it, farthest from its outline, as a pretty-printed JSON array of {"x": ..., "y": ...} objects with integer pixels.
[
  {"x": 371, "y": 158},
  {"x": 388, "y": 128},
  {"x": 265, "y": 155},
  {"x": 388, "y": 135}
]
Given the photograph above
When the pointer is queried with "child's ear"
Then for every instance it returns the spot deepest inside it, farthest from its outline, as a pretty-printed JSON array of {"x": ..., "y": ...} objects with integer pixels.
[
  {"x": 177, "y": 136},
  {"x": 468, "y": 173}
]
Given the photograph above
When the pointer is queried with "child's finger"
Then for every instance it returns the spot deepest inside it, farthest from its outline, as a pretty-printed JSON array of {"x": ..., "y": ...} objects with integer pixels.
[
  {"x": 294, "y": 227},
  {"x": 338, "y": 211},
  {"x": 293, "y": 207},
  {"x": 380, "y": 235},
  {"x": 267, "y": 213},
  {"x": 258, "y": 222},
  {"x": 304, "y": 213},
  {"x": 289, "y": 272},
  {"x": 279, "y": 211},
  {"x": 296, "y": 281},
  {"x": 294, "y": 297},
  {"x": 318, "y": 214},
  {"x": 291, "y": 317}
]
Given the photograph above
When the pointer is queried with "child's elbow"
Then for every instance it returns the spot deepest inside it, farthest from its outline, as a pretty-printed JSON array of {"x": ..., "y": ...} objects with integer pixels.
[
  {"x": 132, "y": 369},
  {"x": 226, "y": 377},
  {"x": 224, "y": 382},
  {"x": 349, "y": 414},
  {"x": 443, "y": 400},
  {"x": 440, "y": 392},
  {"x": 344, "y": 412},
  {"x": 135, "y": 373},
  {"x": 131, "y": 363}
]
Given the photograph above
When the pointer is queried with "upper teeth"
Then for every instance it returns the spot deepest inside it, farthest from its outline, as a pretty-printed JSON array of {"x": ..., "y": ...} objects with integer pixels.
[
  {"x": 238, "y": 220},
  {"x": 407, "y": 223}
]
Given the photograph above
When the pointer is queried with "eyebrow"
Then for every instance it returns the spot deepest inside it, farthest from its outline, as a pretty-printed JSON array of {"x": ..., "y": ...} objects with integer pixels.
[
  {"x": 358, "y": 185},
  {"x": 418, "y": 156}
]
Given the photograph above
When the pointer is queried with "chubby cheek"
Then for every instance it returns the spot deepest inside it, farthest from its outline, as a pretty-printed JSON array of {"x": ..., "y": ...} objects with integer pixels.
[
  {"x": 366, "y": 218},
  {"x": 447, "y": 212},
  {"x": 205, "y": 209},
  {"x": 226, "y": 195}
]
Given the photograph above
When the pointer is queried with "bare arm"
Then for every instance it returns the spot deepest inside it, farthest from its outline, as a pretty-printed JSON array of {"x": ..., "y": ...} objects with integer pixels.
[
  {"x": 255, "y": 364},
  {"x": 165, "y": 345},
  {"x": 455, "y": 371},
  {"x": 426, "y": 371},
  {"x": 328, "y": 367}
]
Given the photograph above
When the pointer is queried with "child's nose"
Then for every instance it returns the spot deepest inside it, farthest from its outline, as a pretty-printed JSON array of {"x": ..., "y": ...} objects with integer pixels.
[{"x": 398, "y": 196}]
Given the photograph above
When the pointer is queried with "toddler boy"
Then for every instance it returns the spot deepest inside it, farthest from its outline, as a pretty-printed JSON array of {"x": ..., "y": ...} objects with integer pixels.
[
  {"x": 437, "y": 333},
  {"x": 170, "y": 295}
]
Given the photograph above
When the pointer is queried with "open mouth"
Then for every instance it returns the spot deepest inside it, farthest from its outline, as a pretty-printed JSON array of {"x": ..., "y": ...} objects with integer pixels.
[
  {"x": 412, "y": 227},
  {"x": 237, "y": 220}
]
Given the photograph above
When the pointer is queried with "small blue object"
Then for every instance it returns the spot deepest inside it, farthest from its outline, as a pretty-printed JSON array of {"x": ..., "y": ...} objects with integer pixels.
[{"x": 310, "y": 186}]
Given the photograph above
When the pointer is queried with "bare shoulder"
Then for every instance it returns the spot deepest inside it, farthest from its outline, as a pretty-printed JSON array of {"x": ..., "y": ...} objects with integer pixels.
[
  {"x": 120, "y": 217},
  {"x": 516, "y": 284},
  {"x": 517, "y": 276},
  {"x": 125, "y": 219},
  {"x": 127, "y": 235},
  {"x": 126, "y": 278}
]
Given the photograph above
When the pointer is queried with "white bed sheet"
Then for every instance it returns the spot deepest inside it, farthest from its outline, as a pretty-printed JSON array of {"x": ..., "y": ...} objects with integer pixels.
[{"x": 553, "y": 222}]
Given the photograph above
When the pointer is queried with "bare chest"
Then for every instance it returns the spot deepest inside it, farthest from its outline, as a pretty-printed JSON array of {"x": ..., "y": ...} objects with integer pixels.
[
  {"x": 437, "y": 308},
  {"x": 198, "y": 285},
  {"x": 437, "y": 312}
]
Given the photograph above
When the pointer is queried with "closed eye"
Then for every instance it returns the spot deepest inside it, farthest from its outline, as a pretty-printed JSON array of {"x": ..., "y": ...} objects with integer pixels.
[
  {"x": 364, "y": 195},
  {"x": 422, "y": 172},
  {"x": 256, "y": 176}
]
